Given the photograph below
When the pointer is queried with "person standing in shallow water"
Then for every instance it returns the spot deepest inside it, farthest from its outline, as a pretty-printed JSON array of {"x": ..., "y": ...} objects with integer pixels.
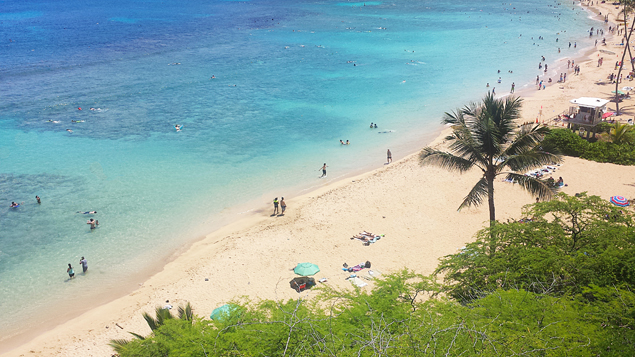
[
  {"x": 323, "y": 170},
  {"x": 84, "y": 264},
  {"x": 389, "y": 156},
  {"x": 70, "y": 271},
  {"x": 275, "y": 206},
  {"x": 37, "y": 198}
]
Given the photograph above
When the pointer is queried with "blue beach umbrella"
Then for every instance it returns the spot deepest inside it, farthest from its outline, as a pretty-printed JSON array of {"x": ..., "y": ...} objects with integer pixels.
[
  {"x": 222, "y": 312},
  {"x": 306, "y": 269},
  {"x": 620, "y": 201}
]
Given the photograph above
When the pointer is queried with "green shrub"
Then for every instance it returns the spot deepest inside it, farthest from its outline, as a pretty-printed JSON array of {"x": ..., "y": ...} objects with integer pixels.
[
  {"x": 569, "y": 143},
  {"x": 565, "y": 141}
]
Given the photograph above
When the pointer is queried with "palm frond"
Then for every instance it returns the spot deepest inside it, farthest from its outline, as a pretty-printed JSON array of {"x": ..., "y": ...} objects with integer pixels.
[
  {"x": 528, "y": 160},
  {"x": 162, "y": 316},
  {"x": 444, "y": 160},
  {"x": 476, "y": 195},
  {"x": 537, "y": 188},
  {"x": 119, "y": 345},
  {"x": 620, "y": 133},
  {"x": 455, "y": 117},
  {"x": 185, "y": 313},
  {"x": 526, "y": 138},
  {"x": 152, "y": 323},
  {"x": 137, "y": 335}
]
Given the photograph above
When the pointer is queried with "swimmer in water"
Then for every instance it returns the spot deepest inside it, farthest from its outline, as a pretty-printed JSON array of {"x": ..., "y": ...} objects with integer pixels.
[
  {"x": 93, "y": 223},
  {"x": 213, "y": 77},
  {"x": 347, "y": 142},
  {"x": 178, "y": 127},
  {"x": 69, "y": 130},
  {"x": 87, "y": 212},
  {"x": 341, "y": 142},
  {"x": 14, "y": 205},
  {"x": 37, "y": 198}
]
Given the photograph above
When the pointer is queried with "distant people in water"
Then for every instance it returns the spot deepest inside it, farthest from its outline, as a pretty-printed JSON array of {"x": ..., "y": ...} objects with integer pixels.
[
  {"x": 371, "y": 125},
  {"x": 375, "y": 126},
  {"x": 347, "y": 142},
  {"x": 14, "y": 205},
  {"x": 178, "y": 127},
  {"x": 341, "y": 142},
  {"x": 69, "y": 130},
  {"x": 93, "y": 223},
  {"x": 84, "y": 264},
  {"x": 87, "y": 212},
  {"x": 37, "y": 198},
  {"x": 323, "y": 170},
  {"x": 70, "y": 271},
  {"x": 389, "y": 156}
]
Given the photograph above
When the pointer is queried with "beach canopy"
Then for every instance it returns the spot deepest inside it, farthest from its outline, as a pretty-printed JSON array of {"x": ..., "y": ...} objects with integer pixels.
[
  {"x": 306, "y": 269},
  {"x": 607, "y": 114},
  {"x": 589, "y": 102},
  {"x": 222, "y": 312},
  {"x": 620, "y": 201}
]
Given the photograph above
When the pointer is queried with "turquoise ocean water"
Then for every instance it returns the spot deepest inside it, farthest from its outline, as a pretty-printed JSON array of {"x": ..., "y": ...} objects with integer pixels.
[{"x": 292, "y": 79}]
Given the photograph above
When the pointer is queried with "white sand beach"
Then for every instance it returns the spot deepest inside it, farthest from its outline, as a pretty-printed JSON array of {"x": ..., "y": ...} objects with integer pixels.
[{"x": 414, "y": 206}]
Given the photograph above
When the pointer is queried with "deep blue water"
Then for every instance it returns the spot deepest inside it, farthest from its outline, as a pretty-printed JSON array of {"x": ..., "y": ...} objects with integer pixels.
[{"x": 292, "y": 79}]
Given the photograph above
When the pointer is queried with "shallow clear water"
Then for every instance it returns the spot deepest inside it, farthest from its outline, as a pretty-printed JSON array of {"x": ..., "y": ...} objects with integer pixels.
[{"x": 292, "y": 79}]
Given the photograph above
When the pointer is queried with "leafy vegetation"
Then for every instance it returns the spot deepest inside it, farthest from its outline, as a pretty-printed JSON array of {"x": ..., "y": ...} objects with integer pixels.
[
  {"x": 558, "y": 284},
  {"x": 620, "y": 151}
]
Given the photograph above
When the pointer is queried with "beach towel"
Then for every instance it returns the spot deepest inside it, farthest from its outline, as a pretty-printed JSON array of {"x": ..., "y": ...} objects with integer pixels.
[{"x": 359, "y": 282}]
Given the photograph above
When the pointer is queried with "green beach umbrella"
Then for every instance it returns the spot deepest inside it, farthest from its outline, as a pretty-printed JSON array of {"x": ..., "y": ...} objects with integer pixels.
[
  {"x": 306, "y": 269},
  {"x": 618, "y": 92},
  {"x": 221, "y": 312}
]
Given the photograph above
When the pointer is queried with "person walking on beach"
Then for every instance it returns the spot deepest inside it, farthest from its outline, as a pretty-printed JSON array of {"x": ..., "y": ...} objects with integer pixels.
[
  {"x": 389, "y": 156},
  {"x": 323, "y": 170},
  {"x": 275, "y": 206},
  {"x": 513, "y": 87},
  {"x": 84, "y": 264},
  {"x": 283, "y": 206},
  {"x": 70, "y": 271}
]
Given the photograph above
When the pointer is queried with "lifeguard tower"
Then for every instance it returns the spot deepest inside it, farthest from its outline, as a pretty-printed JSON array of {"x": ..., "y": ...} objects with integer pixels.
[{"x": 587, "y": 113}]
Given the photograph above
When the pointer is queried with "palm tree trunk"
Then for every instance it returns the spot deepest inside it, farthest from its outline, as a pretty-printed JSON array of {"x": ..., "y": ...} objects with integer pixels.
[
  {"x": 490, "y": 196},
  {"x": 628, "y": 46},
  {"x": 617, "y": 81}
]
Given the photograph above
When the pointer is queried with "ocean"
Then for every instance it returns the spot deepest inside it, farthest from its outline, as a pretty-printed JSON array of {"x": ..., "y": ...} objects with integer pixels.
[{"x": 264, "y": 90}]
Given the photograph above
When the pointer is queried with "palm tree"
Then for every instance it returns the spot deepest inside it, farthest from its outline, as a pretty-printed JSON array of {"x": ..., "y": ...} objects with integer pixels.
[
  {"x": 484, "y": 136},
  {"x": 629, "y": 6},
  {"x": 621, "y": 133},
  {"x": 162, "y": 315}
]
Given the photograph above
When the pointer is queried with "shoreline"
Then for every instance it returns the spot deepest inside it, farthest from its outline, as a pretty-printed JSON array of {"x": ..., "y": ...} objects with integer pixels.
[{"x": 222, "y": 243}]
